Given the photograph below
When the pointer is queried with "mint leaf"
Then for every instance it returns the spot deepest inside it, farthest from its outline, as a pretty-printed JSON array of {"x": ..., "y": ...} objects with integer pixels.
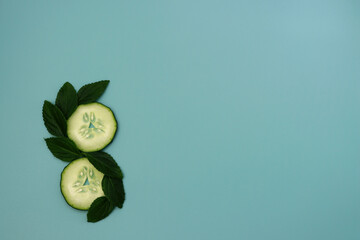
[
  {"x": 63, "y": 148},
  {"x": 54, "y": 119},
  {"x": 104, "y": 163},
  {"x": 91, "y": 92},
  {"x": 114, "y": 190},
  {"x": 66, "y": 99},
  {"x": 99, "y": 209}
]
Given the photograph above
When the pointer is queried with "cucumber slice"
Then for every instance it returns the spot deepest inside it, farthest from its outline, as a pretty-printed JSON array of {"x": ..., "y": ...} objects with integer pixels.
[
  {"x": 81, "y": 184},
  {"x": 92, "y": 127}
]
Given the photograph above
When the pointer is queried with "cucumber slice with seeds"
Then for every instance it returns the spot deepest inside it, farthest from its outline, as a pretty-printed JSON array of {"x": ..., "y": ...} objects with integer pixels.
[
  {"x": 81, "y": 184},
  {"x": 92, "y": 127}
]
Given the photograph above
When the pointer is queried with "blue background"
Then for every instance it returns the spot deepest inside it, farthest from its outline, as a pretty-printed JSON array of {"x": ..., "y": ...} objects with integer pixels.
[{"x": 238, "y": 119}]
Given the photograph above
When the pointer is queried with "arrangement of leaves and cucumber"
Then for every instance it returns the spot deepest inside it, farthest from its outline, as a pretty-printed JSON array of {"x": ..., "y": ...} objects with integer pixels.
[{"x": 82, "y": 128}]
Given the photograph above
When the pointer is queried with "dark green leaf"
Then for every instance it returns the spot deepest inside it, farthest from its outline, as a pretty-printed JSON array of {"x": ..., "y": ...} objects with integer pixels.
[
  {"x": 114, "y": 190},
  {"x": 99, "y": 209},
  {"x": 66, "y": 99},
  {"x": 91, "y": 92},
  {"x": 63, "y": 148},
  {"x": 54, "y": 120},
  {"x": 104, "y": 163}
]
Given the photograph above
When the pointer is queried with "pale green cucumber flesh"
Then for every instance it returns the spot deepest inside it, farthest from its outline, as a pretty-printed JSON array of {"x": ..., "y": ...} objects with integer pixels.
[
  {"x": 92, "y": 127},
  {"x": 81, "y": 184}
]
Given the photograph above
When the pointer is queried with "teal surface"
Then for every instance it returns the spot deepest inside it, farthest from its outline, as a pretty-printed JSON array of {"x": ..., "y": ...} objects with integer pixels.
[{"x": 238, "y": 119}]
